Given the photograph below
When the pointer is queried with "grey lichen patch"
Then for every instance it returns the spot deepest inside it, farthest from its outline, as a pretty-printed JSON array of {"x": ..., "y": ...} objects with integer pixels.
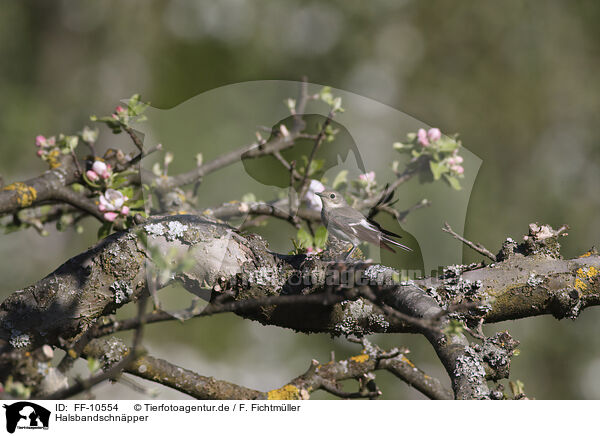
[
  {"x": 122, "y": 291},
  {"x": 567, "y": 303},
  {"x": 463, "y": 287},
  {"x": 508, "y": 249},
  {"x": 432, "y": 291},
  {"x": 540, "y": 240},
  {"x": 175, "y": 230},
  {"x": 121, "y": 259},
  {"x": 469, "y": 366},
  {"x": 534, "y": 281},
  {"x": 266, "y": 276},
  {"x": 496, "y": 352},
  {"x": 155, "y": 229},
  {"x": 115, "y": 351},
  {"x": 452, "y": 271},
  {"x": 360, "y": 318},
  {"x": 381, "y": 275},
  {"x": 19, "y": 339}
]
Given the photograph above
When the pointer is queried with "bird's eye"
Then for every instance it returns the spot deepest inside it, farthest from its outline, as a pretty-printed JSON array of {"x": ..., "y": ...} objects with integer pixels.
[{"x": 332, "y": 196}]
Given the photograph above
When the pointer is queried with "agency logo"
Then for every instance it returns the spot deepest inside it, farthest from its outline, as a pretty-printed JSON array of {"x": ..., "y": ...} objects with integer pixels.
[{"x": 26, "y": 415}]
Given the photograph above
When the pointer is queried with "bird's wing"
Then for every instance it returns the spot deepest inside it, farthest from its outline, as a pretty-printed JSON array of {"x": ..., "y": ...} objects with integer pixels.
[
  {"x": 382, "y": 230},
  {"x": 363, "y": 230},
  {"x": 371, "y": 232},
  {"x": 357, "y": 226}
]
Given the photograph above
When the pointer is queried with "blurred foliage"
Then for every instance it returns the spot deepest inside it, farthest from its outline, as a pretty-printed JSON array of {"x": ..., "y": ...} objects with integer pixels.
[{"x": 517, "y": 80}]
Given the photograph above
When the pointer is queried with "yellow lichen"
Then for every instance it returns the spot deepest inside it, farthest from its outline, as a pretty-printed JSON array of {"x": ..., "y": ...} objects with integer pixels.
[
  {"x": 408, "y": 362},
  {"x": 288, "y": 392},
  {"x": 360, "y": 358},
  {"x": 580, "y": 285},
  {"x": 588, "y": 254},
  {"x": 26, "y": 195},
  {"x": 52, "y": 158},
  {"x": 584, "y": 274}
]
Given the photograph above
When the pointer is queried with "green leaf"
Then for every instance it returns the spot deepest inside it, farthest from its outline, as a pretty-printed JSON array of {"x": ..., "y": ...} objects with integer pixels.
[
  {"x": 336, "y": 105},
  {"x": 315, "y": 166},
  {"x": 453, "y": 181},
  {"x": 341, "y": 178},
  {"x": 77, "y": 187},
  {"x": 304, "y": 238},
  {"x": 93, "y": 364},
  {"x": 104, "y": 230},
  {"x": 447, "y": 145},
  {"x": 143, "y": 238},
  {"x": 326, "y": 95},
  {"x": 137, "y": 204},
  {"x": 249, "y": 198},
  {"x": 320, "y": 237},
  {"x": 437, "y": 169},
  {"x": 454, "y": 327}
]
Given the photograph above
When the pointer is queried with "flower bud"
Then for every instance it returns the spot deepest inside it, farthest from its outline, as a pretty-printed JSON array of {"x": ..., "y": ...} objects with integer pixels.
[
  {"x": 422, "y": 137},
  {"x": 92, "y": 175},
  {"x": 110, "y": 216},
  {"x": 40, "y": 141},
  {"x": 434, "y": 134}
]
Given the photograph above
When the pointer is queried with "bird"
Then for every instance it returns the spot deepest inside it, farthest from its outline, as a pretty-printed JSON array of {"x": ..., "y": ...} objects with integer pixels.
[{"x": 348, "y": 224}]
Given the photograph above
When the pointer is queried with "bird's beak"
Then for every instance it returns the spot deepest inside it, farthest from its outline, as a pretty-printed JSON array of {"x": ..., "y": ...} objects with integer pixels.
[{"x": 320, "y": 194}]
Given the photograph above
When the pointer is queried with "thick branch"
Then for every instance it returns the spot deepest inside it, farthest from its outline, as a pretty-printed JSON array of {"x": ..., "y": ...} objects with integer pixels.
[
  {"x": 95, "y": 283},
  {"x": 39, "y": 189}
]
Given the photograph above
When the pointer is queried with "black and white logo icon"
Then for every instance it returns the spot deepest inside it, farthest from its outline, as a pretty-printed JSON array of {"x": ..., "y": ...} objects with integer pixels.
[{"x": 26, "y": 415}]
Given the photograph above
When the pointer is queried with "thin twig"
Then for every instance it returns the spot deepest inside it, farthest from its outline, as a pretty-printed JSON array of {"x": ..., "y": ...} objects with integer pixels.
[
  {"x": 71, "y": 197},
  {"x": 320, "y": 137},
  {"x": 475, "y": 246},
  {"x": 134, "y": 138}
]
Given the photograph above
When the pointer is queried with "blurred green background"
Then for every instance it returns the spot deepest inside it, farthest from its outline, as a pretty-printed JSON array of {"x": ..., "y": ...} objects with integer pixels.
[{"x": 518, "y": 81}]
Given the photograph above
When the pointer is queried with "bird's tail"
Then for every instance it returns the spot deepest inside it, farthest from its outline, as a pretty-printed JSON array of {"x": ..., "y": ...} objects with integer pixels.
[{"x": 385, "y": 241}]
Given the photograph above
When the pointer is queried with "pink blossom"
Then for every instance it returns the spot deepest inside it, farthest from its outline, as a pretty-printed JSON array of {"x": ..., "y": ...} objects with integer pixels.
[
  {"x": 91, "y": 175},
  {"x": 434, "y": 134},
  {"x": 125, "y": 210},
  {"x": 111, "y": 200},
  {"x": 458, "y": 169},
  {"x": 115, "y": 116},
  {"x": 40, "y": 140},
  {"x": 119, "y": 109},
  {"x": 458, "y": 159},
  {"x": 40, "y": 153},
  {"x": 101, "y": 169},
  {"x": 110, "y": 216},
  {"x": 51, "y": 141},
  {"x": 367, "y": 177},
  {"x": 422, "y": 137}
]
